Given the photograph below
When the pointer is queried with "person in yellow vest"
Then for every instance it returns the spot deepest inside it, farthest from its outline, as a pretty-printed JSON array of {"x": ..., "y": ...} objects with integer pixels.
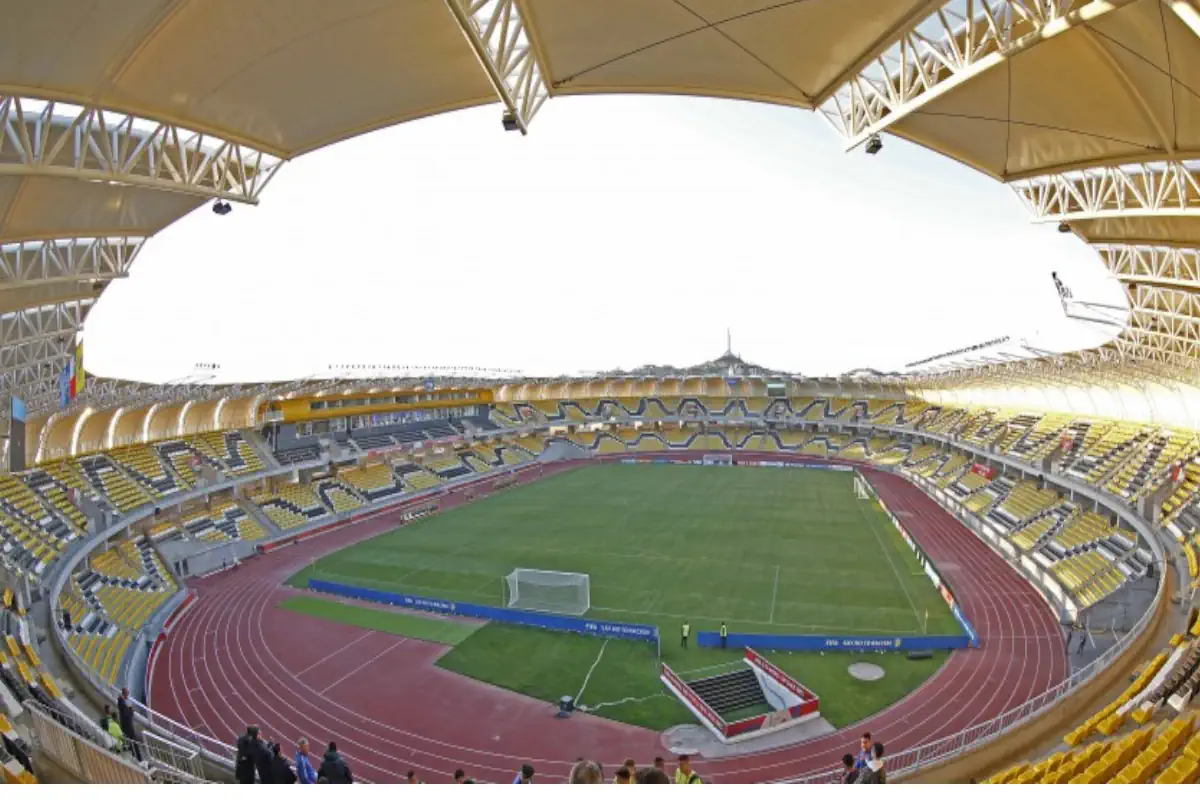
[
  {"x": 684, "y": 774},
  {"x": 118, "y": 736},
  {"x": 631, "y": 765},
  {"x": 683, "y": 634},
  {"x": 724, "y": 635},
  {"x": 623, "y": 776}
]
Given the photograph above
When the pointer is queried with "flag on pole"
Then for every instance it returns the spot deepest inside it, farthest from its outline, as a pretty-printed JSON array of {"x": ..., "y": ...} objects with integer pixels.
[
  {"x": 80, "y": 375},
  {"x": 72, "y": 377}
]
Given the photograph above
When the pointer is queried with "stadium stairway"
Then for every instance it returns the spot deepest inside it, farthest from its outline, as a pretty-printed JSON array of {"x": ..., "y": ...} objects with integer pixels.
[{"x": 729, "y": 692}]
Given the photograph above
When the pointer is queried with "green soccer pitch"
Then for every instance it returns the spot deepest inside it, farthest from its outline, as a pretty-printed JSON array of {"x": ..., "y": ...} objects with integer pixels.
[{"x": 764, "y": 550}]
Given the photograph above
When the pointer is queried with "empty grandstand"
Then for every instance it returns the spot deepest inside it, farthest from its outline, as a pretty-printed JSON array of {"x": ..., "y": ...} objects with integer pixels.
[{"x": 1064, "y": 488}]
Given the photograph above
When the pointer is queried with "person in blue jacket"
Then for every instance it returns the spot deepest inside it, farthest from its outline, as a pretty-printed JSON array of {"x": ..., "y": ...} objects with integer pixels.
[{"x": 304, "y": 768}]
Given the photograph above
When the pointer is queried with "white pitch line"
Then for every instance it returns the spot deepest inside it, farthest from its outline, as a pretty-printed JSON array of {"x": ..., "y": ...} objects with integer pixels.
[
  {"x": 588, "y": 677},
  {"x": 334, "y": 653},
  {"x": 892, "y": 564},
  {"x": 774, "y": 594},
  {"x": 363, "y": 666}
]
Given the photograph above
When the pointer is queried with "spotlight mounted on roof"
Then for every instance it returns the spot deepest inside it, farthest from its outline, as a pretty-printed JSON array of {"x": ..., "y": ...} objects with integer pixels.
[
  {"x": 1064, "y": 227},
  {"x": 509, "y": 121},
  {"x": 874, "y": 144},
  {"x": 221, "y": 208}
]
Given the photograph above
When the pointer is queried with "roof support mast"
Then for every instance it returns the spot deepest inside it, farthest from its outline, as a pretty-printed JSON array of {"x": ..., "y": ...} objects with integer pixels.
[{"x": 497, "y": 33}]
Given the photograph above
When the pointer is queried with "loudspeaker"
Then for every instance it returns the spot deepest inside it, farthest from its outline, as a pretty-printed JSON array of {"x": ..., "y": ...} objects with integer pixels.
[{"x": 919, "y": 655}]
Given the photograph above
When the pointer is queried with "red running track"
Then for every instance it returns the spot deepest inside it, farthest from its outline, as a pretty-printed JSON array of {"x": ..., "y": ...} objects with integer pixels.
[{"x": 235, "y": 658}]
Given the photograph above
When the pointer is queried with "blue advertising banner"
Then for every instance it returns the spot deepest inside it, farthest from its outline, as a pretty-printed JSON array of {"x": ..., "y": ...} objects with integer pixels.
[
  {"x": 767, "y": 641},
  {"x": 535, "y": 619}
]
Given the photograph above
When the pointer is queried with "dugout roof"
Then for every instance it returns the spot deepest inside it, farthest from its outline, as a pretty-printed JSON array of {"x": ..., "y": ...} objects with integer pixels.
[{"x": 118, "y": 118}]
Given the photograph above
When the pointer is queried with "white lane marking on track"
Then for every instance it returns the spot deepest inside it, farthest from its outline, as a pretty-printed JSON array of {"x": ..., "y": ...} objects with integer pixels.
[
  {"x": 334, "y": 653},
  {"x": 363, "y": 666}
]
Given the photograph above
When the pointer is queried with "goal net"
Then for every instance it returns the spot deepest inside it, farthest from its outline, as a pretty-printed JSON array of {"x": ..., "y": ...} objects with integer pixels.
[
  {"x": 546, "y": 590},
  {"x": 861, "y": 489}
]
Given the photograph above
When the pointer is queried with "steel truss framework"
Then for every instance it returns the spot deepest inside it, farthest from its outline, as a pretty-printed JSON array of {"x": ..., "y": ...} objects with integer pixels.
[
  {"x": 1161, "y": 342},
  {"x": 497, "y": 34},
  {"x": 46, "y": 138},
  {"x": 1160, "y": 188},
  {"x": 1164, "y": 266},
  {"x": 66, "y": 261},
  {"x": 960, "y": 40},
  {"x": 35, "y": 344},
  {"x": 30, "y": 325}
]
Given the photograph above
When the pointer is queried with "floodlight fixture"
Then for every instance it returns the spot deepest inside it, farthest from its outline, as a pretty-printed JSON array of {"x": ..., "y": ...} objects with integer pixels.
[
  {"x": 221, "y": 208},
  {"x": 874, "y": 144},
  {"x": 1064, "y": 227},
  {"x": 509, "y": 120}
]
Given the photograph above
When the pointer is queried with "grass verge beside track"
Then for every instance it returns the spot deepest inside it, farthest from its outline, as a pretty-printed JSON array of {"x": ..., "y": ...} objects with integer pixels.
[{"x": 411, "y": 626}]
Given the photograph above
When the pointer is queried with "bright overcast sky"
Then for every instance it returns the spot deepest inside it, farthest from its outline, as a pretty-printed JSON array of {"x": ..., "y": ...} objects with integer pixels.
[{"x": 622, "y": 231}]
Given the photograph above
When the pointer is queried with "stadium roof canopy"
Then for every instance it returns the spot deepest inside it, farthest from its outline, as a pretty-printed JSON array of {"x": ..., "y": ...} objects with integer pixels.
[{"x": 116, "y": 119}]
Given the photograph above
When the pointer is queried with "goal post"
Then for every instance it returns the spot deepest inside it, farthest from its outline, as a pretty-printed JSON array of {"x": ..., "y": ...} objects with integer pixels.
[
  {"x": 862, "y": 489},
  {"x": 552, "y": 592}
]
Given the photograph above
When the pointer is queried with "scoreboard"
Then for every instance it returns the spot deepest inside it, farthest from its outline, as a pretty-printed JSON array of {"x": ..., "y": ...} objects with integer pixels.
[{"x": 776, "y": 389}]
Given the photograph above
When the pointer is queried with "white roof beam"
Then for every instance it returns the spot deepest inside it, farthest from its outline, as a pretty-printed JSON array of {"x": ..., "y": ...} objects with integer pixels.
[
  {"x": 47, "y": 322},
  {"x": 38, "y": 263},
  {"x": 1152, "y": 189},
  {"x": 960, "y": 40},
  {"x": 52, "y": 139},
  {"x": 497, "y": 33}
]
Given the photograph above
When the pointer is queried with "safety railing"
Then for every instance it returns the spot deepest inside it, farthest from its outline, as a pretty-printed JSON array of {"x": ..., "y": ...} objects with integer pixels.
[{"x": 70, "y": 745}]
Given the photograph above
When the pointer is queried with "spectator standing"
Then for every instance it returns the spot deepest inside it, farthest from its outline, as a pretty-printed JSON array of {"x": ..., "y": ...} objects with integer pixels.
[
  {"x": 125, "y": 719},
  {"x": 864, "y": 751},
  {"x": 281, "y": 771},
  {"x": 631, "y": 765},
  {"x": 849, "y": 771},
  {"x": 623, "y": 776},
  {"x": 526, "y": 774},
  {"x": 586, "y": 772},
  {"x": 262, "y": 760},
  {"x": 411, "y": 777},
  {"x": 874, "y": 771},
  {"x": 683, "y": 634},
  {"x": 304, "y": 768},
  {"x": 247, "y": 746},
  {"x": 651, "y": 775},
  {"x": 461, "y": 777},
  {"x": 333, "y": 768},
  {"x": 724, "y": 635},
  {"x": 660, "y": 764},
  {"x": 684, "y": 773}
]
